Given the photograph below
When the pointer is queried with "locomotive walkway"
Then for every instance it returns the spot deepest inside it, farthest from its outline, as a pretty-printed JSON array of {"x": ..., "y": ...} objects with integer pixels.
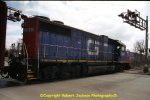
[{"x": 127, "y": 85}]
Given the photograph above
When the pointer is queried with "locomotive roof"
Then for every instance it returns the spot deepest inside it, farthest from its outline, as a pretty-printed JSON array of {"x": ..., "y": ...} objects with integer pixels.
[
  {"x": 63, "y": 25},
  {"x": 69, "y": 27}
]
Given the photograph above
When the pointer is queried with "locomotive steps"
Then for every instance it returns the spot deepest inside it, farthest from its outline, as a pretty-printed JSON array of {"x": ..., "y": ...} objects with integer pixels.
[{"x": 30, "y": 74}]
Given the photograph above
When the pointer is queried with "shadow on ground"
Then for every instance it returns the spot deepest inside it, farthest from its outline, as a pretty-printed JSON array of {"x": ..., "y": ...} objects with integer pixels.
[
  {"x": 9, "y": 82},
  {"x": 4, "y": 83}
]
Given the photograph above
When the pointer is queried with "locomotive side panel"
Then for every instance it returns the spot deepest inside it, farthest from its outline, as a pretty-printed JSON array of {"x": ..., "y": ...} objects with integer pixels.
[
  {"x": 53, "y": 42},
  {"x": 53, "y": 45},
  {"x": 86, "y": 46}
]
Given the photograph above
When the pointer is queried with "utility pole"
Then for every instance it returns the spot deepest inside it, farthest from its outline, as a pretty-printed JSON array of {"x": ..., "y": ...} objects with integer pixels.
[
  {"x": 134, "y": 19},
  {"x": 3, "y": 24},
  {"x": 146, "y": 49}
]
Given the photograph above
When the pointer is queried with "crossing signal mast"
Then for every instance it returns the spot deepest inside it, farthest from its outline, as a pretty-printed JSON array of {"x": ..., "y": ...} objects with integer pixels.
[
  {"x": 134, "y": 19},
  {"x": 15, "y": 15}
]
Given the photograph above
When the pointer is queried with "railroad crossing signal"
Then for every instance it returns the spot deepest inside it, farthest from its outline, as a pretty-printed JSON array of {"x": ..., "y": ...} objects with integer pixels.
[
  {"x": 15, "y": 15},
  {"x": 134, "y": 19}
]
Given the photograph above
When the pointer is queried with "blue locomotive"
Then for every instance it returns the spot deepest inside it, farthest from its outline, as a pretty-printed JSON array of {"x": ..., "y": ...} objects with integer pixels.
[{"x": 51, "y": 49}]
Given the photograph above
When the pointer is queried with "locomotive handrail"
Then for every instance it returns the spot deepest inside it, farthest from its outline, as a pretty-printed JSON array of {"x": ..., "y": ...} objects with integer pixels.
[
  {"x": 73, "y": 48},
  {"x": 26, "y": 53},
  {"x": 63, "y": 46},
  {"x": 38, "y": 62},
  {"x": 58, "y": 46}
]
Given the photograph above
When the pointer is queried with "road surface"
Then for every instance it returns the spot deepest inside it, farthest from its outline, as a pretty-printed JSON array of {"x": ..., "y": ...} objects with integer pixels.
[{"x": 117, "y": 86}]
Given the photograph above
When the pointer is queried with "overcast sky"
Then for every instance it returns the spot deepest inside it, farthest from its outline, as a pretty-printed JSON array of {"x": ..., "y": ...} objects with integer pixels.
[{"x": 98, "y": 17}]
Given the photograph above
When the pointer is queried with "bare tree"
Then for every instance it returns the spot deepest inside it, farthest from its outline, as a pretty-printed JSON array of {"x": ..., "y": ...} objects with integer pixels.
[
  {"x": 139, "y": 50},
  {"x": 139, "y": 46}
]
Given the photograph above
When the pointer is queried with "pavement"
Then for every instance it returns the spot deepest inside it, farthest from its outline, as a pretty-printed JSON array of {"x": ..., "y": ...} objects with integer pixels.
[
  {"x": 127, "y": 85},
  {"x": 137, "y": 71}
]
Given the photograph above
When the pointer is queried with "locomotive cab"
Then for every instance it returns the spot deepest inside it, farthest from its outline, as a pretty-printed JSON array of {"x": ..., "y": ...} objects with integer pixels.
[{"x": 123, "y": 56}]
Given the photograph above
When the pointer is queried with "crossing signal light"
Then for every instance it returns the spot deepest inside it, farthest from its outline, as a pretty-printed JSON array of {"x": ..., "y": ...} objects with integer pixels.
[
  {"x": 23, "y": 16},
  {"x": 126, "y": 17},
  {"x": 121, "y": 15},
  {"x": 16, "y": 14}
]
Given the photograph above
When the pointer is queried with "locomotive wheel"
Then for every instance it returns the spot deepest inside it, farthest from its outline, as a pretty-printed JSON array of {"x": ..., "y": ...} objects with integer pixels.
[
  {"x": 84, "y": 70},
  {"x": 4, "y": 74},
  {"x": 118, "y": 68},
  {"x": 45, "y": 73},
  {"x": 50, "y": 72},
  {"x": 76, "y": 71},
  {"x": 13, "y": 72},
  {"x": 73, "y": 72},
  {"x": 18, "y": 73},
  {"x": 145, "y": 70},
  {"x": 22, "y": 75}
]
